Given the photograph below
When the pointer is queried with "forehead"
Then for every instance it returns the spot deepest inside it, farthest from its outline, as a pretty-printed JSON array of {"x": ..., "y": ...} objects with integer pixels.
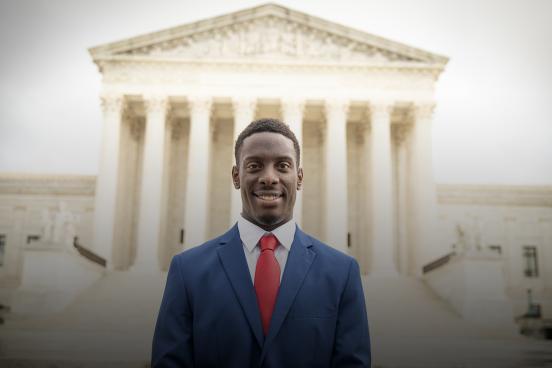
[{"x": 267, "y": 144}]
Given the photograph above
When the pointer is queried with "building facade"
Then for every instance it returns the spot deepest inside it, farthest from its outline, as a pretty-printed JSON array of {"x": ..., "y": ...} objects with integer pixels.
[
  {"x": 174, "y": 102},
  {"x": 361, "y": 106}
]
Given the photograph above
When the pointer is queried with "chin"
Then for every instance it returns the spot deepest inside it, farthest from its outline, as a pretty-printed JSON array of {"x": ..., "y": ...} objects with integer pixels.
[{"x": 270, "y": 219}]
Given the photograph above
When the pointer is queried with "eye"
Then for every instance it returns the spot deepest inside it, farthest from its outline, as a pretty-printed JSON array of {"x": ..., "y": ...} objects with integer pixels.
[
  {"x": 284, "y": 165},
  {"x": 252, "y": 166}
]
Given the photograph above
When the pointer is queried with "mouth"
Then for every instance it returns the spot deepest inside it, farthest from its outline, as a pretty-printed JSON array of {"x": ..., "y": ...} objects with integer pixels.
[{"x": 268, "y": 196}]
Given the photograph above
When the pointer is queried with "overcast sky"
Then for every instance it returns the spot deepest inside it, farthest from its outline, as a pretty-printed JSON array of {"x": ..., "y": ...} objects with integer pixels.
[{"x": 492, "y": 125}]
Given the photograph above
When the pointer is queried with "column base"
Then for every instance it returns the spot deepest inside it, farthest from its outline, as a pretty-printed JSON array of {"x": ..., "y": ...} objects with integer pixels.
[
  {"x": 384, "y": 272},
  {"x": 145, "y": 268}
]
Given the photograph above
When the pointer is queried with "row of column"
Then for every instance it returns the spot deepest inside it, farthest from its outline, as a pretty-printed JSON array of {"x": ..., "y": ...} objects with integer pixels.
[{"x": 196, "y": 206}]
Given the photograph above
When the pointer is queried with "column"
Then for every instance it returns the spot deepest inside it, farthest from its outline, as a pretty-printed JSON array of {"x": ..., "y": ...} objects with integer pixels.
[
  {"x": 511, "y": 252},
  {"x": 244, "y": 113},
  {"x": 197, "y": 189},
  {"x": 292, "y": 113},
  {"x": 382, "y": 191},
  {"x": 402, "y": 201},
  {"x": 545, "y": 224},
  {"x": 151, "y": 191},
  {"x": 14, "y": 257},
  {"x": 423, "y": 194},
  {"x": 335, "y": 223},
  {"x": 107, "y": 179}
]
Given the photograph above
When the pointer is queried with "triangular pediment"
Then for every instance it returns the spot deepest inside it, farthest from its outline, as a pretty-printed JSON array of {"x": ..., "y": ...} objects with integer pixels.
[{"x": 270, "y": 33}]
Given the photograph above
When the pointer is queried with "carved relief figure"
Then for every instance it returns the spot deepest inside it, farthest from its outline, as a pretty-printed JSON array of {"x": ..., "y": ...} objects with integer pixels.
[{"x": 272, "y": 37}]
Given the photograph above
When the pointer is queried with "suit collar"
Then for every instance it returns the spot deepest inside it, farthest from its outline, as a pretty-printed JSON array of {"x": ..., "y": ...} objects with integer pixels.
[
  {"x": 233, "y": 261},
  {"x": 250, "y": 233}
]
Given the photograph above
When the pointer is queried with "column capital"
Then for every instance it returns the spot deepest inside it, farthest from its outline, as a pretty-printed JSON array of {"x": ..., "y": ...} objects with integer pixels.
[
  {"x": 242, "y": 105},
  {"x": 112, "y": 102},
  {"x": 381, "y": 107},
  {"x": 200, "y": 104},
  {"x": 289, "y": 104},
  {"x": 292, "y": 110},
  {"x": 423, "y": 110},
  {"x": 156, "y": 103},
  {"x": 337, "y": 104}
]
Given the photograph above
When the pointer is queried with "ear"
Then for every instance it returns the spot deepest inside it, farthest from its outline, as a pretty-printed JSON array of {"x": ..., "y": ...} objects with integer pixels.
[
  {"x": 236, "y": 177},
  {"x": 299, "y": 178}
]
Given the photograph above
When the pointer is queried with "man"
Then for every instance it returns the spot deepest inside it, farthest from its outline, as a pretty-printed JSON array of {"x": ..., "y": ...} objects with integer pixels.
[{"x": 265, "y": 294}]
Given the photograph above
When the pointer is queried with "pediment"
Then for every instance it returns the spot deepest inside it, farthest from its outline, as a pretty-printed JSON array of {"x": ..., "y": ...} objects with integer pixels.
[{"x": 268, "y": 33}]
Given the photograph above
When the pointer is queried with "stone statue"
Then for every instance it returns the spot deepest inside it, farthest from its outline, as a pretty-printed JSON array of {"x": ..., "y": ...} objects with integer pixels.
[
  {"x": 461, "y": 238},
  {"x": 64, "y": 226},
  {"x": 468, "y": 237},
  {"x": 47, "y": 225}
]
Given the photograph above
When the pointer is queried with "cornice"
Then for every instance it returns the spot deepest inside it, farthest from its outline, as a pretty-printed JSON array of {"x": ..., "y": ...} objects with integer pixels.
[
  {"x": 491, "y": 195},
  {"x": 135, "y": 61},
  {"x": 495, "y": 195},
  {"x": 37, "y": 184}
]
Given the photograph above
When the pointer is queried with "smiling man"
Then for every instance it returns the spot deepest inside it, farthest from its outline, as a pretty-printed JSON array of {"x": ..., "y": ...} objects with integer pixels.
[{"x": 265, "y": 294}]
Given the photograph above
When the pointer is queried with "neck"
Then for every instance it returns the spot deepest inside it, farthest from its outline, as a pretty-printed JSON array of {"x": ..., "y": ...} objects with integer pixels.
[{"x": 265, "y": 226}]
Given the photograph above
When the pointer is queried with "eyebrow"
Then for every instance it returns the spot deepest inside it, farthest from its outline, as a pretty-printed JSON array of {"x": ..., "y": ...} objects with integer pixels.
[{"x": 279, "y": 158}]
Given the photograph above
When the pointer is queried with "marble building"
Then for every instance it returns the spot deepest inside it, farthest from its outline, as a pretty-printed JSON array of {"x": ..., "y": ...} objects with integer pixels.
[{"x": 174, "y": 102}]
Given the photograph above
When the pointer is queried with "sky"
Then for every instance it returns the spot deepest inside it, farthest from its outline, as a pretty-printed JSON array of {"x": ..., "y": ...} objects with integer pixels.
[{"x": 492, "y": 123}]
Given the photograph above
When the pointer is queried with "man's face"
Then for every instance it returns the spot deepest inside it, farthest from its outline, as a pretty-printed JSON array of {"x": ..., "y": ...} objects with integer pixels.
[{"x": 268, "y": 178}]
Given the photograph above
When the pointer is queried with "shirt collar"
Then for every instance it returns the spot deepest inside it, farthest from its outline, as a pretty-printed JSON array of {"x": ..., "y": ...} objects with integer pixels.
[{"x": 250, "y": 233}]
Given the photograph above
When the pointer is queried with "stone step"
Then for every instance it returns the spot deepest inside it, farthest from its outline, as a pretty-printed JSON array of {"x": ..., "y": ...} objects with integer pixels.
[
  {"x": 407, "y": 307},
  {"x": 112, "y": 323}
]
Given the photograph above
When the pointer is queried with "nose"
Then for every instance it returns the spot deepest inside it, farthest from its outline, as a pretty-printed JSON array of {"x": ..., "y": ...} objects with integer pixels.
[{"x": 269, "y": 177}]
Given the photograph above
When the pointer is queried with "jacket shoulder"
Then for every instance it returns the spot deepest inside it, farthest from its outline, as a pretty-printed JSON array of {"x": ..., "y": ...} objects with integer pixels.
[
  {"x": 327, "y": 252},
  {"x": 204, "y": 251}
]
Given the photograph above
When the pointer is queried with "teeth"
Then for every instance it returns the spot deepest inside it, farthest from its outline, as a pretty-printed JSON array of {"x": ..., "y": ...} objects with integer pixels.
[{"x": 268, "y": 197}]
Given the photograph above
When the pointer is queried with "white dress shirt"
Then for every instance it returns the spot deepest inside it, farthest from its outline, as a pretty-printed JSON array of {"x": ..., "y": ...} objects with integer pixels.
[{"x": 251, "y": 234}]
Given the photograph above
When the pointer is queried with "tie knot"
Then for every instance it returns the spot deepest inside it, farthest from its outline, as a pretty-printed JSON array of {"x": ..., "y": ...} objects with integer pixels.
[{"x": 269, "y": 242}]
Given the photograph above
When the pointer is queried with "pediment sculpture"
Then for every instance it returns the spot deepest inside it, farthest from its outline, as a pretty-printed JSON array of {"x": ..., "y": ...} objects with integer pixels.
[{"x": 268, "y": 38}]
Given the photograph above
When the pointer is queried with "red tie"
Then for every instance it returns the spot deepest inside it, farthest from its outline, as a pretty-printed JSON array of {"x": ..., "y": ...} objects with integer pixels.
[{"x": 267, "y": 279}]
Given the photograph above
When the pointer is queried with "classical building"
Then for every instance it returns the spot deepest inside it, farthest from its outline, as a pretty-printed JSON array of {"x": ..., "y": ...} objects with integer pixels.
[{"x": 173, "y": 104}]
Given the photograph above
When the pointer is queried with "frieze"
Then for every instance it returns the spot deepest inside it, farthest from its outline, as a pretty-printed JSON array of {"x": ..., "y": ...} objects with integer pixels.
[
  {"x": 178, "y": 72},
  {"x": 524, "y": 196},
  {"x": 47, "y": 184}
]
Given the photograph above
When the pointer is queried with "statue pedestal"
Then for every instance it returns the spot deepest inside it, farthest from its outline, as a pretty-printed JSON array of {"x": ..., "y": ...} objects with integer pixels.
[
  {"x": 52, "y": 277},
  {"x": 473, "y": 284}
]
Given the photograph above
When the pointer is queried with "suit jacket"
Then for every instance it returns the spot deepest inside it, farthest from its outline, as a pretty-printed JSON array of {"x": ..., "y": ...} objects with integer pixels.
[{"x": 209, "y": 315}]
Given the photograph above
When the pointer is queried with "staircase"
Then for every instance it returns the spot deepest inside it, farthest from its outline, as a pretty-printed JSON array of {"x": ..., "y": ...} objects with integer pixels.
[
  {"x": 111, "y": 325},
  {"x": 412, "y": 327}
]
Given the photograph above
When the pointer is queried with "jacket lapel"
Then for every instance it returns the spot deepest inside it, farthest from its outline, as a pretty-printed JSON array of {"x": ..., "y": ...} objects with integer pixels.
[
  {"x": 234, "y": 263},
  {"x": 299, "y": 260}
]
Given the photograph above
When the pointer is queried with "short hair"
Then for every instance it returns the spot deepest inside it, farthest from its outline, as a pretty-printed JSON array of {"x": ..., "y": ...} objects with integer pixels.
[{"x": 267, "y": 125}]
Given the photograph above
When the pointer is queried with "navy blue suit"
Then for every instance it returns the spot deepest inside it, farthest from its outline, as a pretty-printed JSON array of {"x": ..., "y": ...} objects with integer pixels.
[{"x": 209, "y": 315}]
